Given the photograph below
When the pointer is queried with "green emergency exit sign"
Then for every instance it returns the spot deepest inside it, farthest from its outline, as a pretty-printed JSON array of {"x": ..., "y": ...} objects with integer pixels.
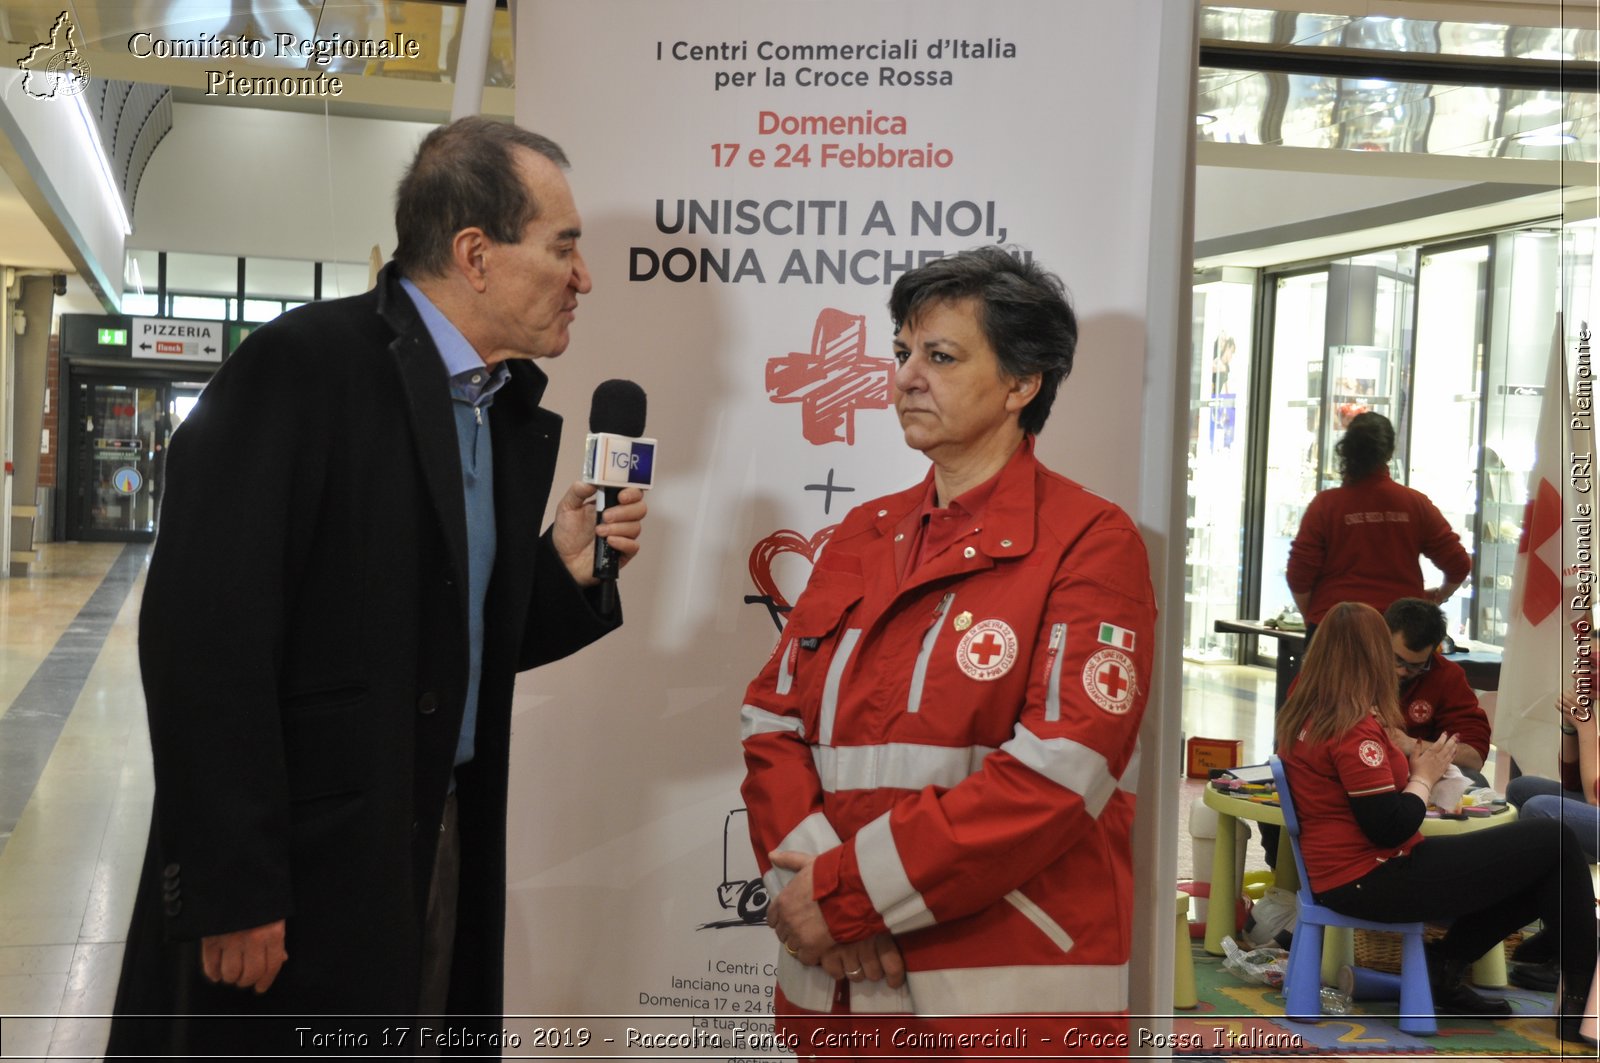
[{"x": 113, "y": 337}]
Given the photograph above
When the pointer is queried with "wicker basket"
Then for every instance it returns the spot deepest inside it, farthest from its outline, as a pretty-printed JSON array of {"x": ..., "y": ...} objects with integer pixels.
[{"x": 1379, "y": 950}]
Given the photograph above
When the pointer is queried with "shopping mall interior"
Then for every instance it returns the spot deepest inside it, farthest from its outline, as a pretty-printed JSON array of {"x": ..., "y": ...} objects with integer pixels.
[{"x": 1393, "y": 202}]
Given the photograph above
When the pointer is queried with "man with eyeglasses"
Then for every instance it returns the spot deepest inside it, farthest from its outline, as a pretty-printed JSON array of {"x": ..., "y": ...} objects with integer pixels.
[{"x": 1435, "y": 697}]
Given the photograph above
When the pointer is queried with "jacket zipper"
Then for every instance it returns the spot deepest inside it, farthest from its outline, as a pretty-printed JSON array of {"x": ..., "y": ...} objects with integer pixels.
[
  {"x": 919, "y": 674},
  {"x": 1053, "y": 659}
]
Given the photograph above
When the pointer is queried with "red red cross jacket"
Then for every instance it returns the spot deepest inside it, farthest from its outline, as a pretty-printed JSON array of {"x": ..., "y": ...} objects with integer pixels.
[
  {"x": 1441, "y": 701},
  {"x": 960, "y": 748},
  {"x": 1359, "y": 543}
]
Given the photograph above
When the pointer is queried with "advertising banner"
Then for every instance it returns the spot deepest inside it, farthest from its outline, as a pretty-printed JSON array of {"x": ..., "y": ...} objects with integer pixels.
[{"x": 753, "y": 178}]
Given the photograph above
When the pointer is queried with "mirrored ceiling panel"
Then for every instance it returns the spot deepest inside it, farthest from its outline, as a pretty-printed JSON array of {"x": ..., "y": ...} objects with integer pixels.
[
  {"x": 1308, "y": 111},
  {"x": 1378, "y": 33}
]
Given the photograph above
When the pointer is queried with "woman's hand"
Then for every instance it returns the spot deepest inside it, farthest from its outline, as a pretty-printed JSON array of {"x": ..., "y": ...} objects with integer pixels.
[
  {"x": 794, "y": 914},
  {"x": 1576, "y": 712},
  {"x": 1430, "y": 760},
  {"x": 876, "y": 959}
]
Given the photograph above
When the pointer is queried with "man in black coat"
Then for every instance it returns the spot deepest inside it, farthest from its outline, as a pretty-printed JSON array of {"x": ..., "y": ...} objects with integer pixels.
[{"x": 349, "y": 574}]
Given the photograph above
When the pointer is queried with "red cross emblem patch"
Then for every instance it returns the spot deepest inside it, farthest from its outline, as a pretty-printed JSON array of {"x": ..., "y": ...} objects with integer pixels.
[
  {"x": 988, "y": 650},
  {"x": 1109, "y": 680},
  {"x": 1371, "y": 753},
  {"x": 1419, "y": 711}
]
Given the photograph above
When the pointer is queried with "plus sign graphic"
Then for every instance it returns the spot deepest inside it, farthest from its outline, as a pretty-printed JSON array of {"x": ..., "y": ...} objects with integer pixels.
[
  {"x": 828, "y": 490},
  {"x": 1111, "y": 682},
  {"x": 987, "y": 649},
  {"x": 833, "y": 380}
]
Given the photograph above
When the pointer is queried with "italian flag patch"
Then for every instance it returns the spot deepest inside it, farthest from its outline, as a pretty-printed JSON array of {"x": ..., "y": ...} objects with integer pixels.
[{"x": 1112, "y": 635}]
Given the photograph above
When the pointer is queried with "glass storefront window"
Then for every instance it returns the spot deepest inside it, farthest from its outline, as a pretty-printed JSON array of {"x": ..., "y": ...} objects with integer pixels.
[
  {"x": 1452, "y": 301},
  {"x": 1299, "y": 322},
  {"x": 1224, "y": 303},
  {"x": 1523, "y": 303},
  {"x": 204, "y": 307}
]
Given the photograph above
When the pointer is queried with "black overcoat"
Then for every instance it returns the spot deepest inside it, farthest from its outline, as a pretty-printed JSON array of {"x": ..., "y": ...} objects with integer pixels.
[{"x": 303, "y": 642}]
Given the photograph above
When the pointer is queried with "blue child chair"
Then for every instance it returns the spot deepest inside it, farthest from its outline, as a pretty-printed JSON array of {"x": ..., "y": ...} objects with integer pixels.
[{"x": 1302, "y": 985}]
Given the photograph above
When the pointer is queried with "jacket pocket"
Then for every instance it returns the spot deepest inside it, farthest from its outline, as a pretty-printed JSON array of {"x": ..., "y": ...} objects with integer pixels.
[
  {"x": 1042, "y": 919},
  {"x": 327, "y": 742},
  {"x": 816, "y": 654}
]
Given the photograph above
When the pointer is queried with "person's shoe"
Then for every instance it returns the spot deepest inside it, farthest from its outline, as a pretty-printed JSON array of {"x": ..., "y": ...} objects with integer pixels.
[
  {"x": 1543, "y": 977},
  {"x": 1452, "y": 995}
]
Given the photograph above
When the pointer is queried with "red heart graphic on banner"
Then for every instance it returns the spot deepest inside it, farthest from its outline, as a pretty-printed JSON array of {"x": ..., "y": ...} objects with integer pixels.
[{"x": 783, "y": 541}]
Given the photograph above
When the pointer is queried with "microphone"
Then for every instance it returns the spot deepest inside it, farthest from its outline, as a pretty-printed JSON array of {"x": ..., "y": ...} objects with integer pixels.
[{"x": 616, "y": 456}]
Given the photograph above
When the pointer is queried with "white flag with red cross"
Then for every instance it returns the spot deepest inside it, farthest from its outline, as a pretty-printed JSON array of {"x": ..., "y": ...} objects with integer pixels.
[{"x": 1538, "y": 658}]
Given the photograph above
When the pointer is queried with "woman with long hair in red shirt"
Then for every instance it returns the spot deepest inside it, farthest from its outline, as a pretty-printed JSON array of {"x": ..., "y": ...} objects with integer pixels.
[{"x": 1361, "y": 802}]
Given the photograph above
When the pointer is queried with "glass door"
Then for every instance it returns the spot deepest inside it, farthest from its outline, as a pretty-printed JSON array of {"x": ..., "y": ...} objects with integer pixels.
[
  {"x": 1299, "y": 321},
  {"x": 1446, "y": 410},
  {"x": 119, "y": 432},
  {"x": 1368, "y": 333},
  {"x": 1224, "y": 305},
  {"x": 1524, "y": 290}
]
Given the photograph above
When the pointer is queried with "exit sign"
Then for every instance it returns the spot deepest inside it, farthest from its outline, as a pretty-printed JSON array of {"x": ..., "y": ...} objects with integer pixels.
[{"x": 113, "y": 337}]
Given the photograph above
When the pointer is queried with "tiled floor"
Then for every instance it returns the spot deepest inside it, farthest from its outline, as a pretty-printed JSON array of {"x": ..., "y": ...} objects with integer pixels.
[
  {"x": 69, "y": 861},
  {"x": 75, "y": 779}
]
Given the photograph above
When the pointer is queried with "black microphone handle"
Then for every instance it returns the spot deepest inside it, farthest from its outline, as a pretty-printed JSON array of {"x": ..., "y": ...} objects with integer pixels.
[{"x": 606, "y": 560}]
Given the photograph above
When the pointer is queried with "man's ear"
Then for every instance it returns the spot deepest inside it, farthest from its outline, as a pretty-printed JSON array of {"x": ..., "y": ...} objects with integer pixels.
[{"x": 468, "y": 251}]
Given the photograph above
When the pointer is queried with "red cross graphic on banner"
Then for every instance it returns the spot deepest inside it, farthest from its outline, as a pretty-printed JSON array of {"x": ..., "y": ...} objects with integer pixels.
[
  {"x": 986, "y": 649},
  {"x": 1111, "y": 682},
  {"x": 1542, "y": 594},
  {"x": 833, "y": 380}
]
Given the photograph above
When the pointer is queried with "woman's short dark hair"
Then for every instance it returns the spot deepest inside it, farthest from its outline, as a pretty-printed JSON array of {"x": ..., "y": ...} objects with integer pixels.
[
  {"x": 464, "y": 176},
  {"x": 1367, "y": 446},
  {"x": 1024, "y": 312}
]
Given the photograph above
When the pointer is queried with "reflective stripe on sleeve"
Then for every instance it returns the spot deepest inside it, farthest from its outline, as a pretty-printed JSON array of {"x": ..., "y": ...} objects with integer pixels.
[
  {"x": 785, "y": 674},
  {"x": 754, "y": 721},
  {"x": 1026, "y": 990},
  {"x": 830, "y": 688},
  {"x": 1070, "y": 764},
  {"x": 895, "y": 765},
  {"x": 884, "y": 876},
  {"x": 813, "y": 835},
  {"x": 1129, "y": 781}
]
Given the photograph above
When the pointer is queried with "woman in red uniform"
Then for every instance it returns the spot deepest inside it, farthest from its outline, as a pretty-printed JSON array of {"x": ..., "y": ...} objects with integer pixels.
[
  {"x": 1361, "y": 801},
  {"x": 940, "y": 754},
  {"x": 1359, "y": 542}
]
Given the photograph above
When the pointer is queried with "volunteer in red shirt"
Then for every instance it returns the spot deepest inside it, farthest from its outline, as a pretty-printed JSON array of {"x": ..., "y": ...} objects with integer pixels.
[
  {"x": 1361, "y": 801},
  {"x": 941, "y": 753},
  {"x": 1359, "y": 542},
  {"x": 1435, "y": 697}
]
